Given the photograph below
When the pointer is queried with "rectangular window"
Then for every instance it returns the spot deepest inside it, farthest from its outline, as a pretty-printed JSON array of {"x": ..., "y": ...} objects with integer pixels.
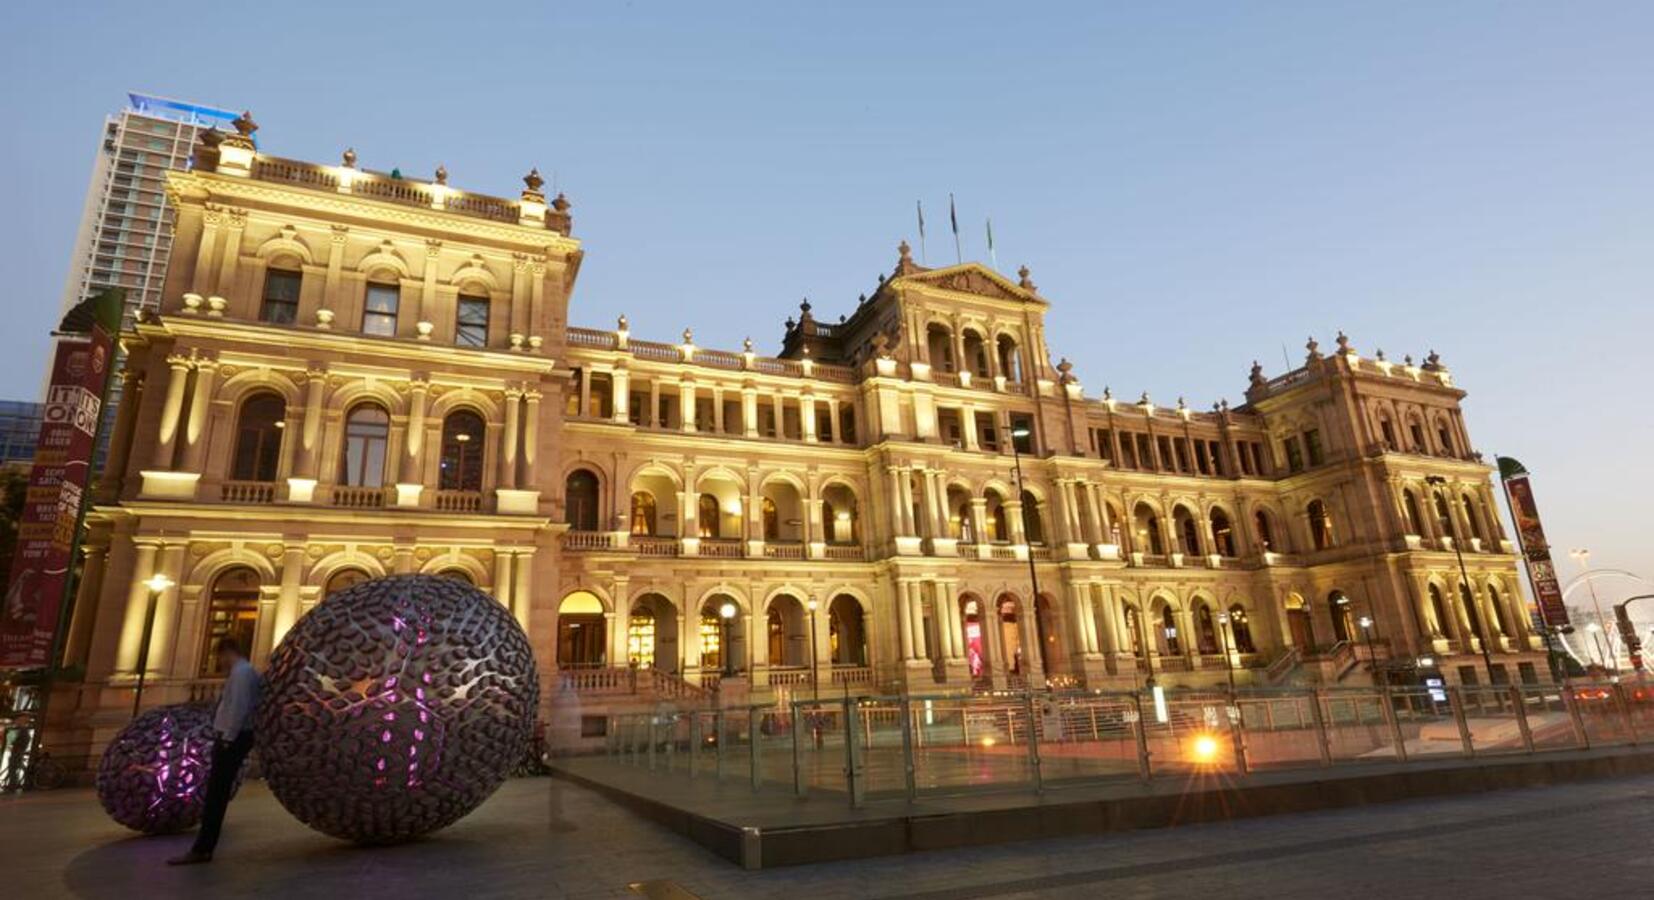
[
  {"x": 1201, "y": 461},
  {"x": 379, "y": 312},
  {"x": 1025, "y": 424},
  {"x": 1312, "y": 444},
  {"x": 1145, "y": 452},
  {"x": 281, "y": 297},
  {"x": 471, "y": 323},
  {"x": 1182, "y": 456},
  {"x": 1257, "y": 458},
  {"x": 1165, "y": 448},
  {"x": 1105, "y": 444},
  {"x": 1294, "y": 455},
  {"x": 1216, "y": 453},
  {"x": 987, "y": 432},
  {"x": 1128, "y": 452}
]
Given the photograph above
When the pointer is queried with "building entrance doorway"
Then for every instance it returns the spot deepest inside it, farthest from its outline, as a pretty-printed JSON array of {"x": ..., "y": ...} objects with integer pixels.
[{"x": 580, "y": 632}]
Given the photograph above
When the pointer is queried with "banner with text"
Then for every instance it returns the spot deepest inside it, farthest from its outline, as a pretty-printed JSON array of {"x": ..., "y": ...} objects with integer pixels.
[
  {"x": 46, "y": 531},
  {"x": 1535, "y": 549}
]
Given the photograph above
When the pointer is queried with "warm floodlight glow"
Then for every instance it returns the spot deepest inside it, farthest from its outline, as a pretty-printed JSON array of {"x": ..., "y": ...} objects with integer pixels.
[
  {"x": 158, "y": 583},
  {"x": 1019, "y": 432},
  {"x": 1205, "y": 750},
  {"x": 727, "y": 611}
]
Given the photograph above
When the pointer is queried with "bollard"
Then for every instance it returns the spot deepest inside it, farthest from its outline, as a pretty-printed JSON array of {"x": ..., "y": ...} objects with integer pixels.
[{"x": 654, "y": 738}]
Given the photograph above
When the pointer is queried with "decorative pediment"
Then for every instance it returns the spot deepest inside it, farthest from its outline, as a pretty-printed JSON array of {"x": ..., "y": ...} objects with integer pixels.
[{"x": 971, "y": 278}]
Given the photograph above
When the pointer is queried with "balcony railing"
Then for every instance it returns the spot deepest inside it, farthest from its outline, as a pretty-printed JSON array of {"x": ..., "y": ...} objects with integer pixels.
[
  {"x": 247, "y": 492},
  {"x": 723, "y": 548},
  {"x": 589, "y": 540},
  {"x": 650, "y": 545},
  {"x": 787, "y": 550},
  {"x": 458, "y": 501},
  {"x": 358, "y": 497},
  {"x": 846, "y": 552}
]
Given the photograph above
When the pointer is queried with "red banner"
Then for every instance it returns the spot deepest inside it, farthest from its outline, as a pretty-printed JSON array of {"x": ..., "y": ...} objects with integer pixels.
[
  {"x": 1535, "y": 549},
  {"x": 51, "y": 512}
]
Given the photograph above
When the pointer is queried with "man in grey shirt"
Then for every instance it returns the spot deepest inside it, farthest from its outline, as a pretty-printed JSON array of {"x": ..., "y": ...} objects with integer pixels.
[{"x": 232, "y": 741}]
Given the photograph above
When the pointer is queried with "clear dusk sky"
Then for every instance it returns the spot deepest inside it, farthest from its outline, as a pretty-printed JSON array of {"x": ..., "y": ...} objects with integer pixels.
[{"x": 1195, "y": 185}]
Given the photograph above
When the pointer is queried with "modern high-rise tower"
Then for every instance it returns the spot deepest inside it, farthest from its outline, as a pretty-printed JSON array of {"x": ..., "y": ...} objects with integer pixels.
[{"x": 124, "y": 240}]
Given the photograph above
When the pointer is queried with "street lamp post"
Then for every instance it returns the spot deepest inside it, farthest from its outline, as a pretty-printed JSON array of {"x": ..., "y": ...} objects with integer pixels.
[
  {"x": 157, "y": 584},
  {"x": 815, "y": 671},
  {"x": 1366, "y": 623},
  {"x": 1033, "y": 571},
  {"x": 726, "y": 615},
  {"x": 1596, "y": 640},
  {"x": 1466, "y": 590},
  {"x": 1228, "y": 660}
]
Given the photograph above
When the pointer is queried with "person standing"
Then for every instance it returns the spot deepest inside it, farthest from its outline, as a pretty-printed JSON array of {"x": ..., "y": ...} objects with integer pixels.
[{"x": 232, "y": 741}]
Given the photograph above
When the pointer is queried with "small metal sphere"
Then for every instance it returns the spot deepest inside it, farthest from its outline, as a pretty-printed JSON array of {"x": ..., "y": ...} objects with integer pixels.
[
  {"x": 395, "y": 707},
  {"x": 153, "y": 775}
]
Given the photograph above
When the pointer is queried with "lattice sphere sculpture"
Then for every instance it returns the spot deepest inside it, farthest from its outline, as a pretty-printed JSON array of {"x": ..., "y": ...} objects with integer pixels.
[
  {"x": 395, "y": 707},
  {"x": 153, "y": 775}
]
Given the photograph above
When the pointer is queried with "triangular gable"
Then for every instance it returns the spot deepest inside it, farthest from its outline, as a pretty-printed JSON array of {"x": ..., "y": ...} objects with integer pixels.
[{"x": 973, "y": 278}]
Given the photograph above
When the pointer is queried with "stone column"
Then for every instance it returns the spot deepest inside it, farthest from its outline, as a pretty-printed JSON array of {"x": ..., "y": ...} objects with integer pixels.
[
  {"x": 231, "y": 255},
  {"x": 287, "y": 604},
  {"x": 522, "y": 593},
  {"x": 201, "y": 282},
  {"x": 195, "y": 431},
  {"x": 904, "y": 619},
  {"x": 897, "y": 520},
  {"x": 531, "y": 439},
  {"x": 427, "y": 289},
  {"x": 807, "y": 417},
  {"x": 717, "y": 409},
  {"x": 172, "y": 408},
  {"x": 163, "y": 642},
  {"x": 79, "y": 638},
  {"x": 935, "y": 522},
  {"x": 1111, "y": 622},
  {"x": 310, "y": 434},
  {"x": 502, "y": 577},
  {"x": 412, "y": 471},
  {"x": 137, "y": 607},
  {"x": 749, "y": 411},
  {"x": 508, "y": 440},
  {"x": 967, "y": 424},
  {"x": 979, "y": 519},
  {"x": 686, "y": 405},
  {"x": 1096, "y": 533},
  {"x": 838, "y": 423},
  {"x": 620, "y": 383},
  {"x": 1012, "y": 511}
]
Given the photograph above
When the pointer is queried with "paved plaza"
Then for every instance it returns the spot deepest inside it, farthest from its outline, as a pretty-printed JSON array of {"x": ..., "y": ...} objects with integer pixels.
[{"x": 547, "y": 838}]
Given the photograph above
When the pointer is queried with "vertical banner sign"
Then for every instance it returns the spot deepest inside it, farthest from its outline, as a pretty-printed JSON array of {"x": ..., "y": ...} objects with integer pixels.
[
  {"x": 1535, "y": 550},
  {"x": 47, "y": 529}
]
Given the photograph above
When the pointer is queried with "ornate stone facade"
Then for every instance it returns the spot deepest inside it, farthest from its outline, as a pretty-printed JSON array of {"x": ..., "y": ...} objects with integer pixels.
[{"x": 355, "y": 374}]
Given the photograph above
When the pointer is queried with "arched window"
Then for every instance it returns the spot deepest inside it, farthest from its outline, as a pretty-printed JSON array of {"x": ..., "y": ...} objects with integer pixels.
[
  {"x": 462, "y": 439},
  {"x": 1320, "y": 524},
  {"x": 1032, "y": 527},
  {"x": 976, "y": 354},
  {"x": 1496, "y": 604},
  {"x": 232, "y": 612},
  {"x": 281, "y": 296},
  {"x": 1266, "y": 533},
  {"x": 939, "y": 347},
  {"x": 1223, "y": 533},
  {"x": 1471, "y": 517},
  {"x": 1410, "y": 507},
  {"x": 1444, "y": 515},
  {"x": 1010, "y": 361},
  {"x": 1188, "y": 531},
  {"x": 342, "y": 579},
  {"x": 1240, "y": 630},
  {"x": 580, "y": 500},
  {"x": 846, "y": 632},
  {"x": 1444, "y": 434},
  {"x": 999, "y": 531},
  {"x": 1206, "y": 631},
  {"x": 1387, "y": 429},
  {"x": 1468, "y": 598},
  {"x": 772, "y": 519},
  {"x": 1168, "y": 629},
  {"x": 258, "y": 438},
  {"x": 1148, "y": 535},
  {"x": 1134, "y": 628},
  {"x": 367, "y": 432},
  {"x": 1438, "y": 611},
  {"x": 643, "y": 513},
  {"x": 708, "y": 513},
  {"x": 1415, "y": 430}
]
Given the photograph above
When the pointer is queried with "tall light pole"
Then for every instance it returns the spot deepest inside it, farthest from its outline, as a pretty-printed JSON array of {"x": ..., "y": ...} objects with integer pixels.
[
  {"x": 1228, "y": 660},
  {"x": 815, "y": 676},
  {"x": 157, "y": 584},
  {"x": 1467, "y": 593},
  {"x": 1033, "y": 571},
  {"x": 1583, "y": 557},
  {"x": 1366, "y": 623},
  {"x": 726, "y": 615}
]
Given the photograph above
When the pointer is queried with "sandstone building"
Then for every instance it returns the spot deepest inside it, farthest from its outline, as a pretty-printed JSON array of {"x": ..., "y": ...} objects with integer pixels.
[{"x": 353, "y": 374}]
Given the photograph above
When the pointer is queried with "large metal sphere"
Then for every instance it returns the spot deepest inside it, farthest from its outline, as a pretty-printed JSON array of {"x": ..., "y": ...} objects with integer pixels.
[
  {"x": 153, "y": 776},
  {"x": 395, "y": 707}
]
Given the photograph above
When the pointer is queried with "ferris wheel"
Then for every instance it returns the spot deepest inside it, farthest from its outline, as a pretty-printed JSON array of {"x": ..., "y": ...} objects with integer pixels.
[{"x": 1591, "y": 597}]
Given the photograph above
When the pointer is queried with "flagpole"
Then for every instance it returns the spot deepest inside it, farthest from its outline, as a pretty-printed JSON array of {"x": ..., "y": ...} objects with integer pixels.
[
  {"x": 993, "y": 258},
  {"x": 924, "y": 259},
  {"x": 953, "y": 215}
]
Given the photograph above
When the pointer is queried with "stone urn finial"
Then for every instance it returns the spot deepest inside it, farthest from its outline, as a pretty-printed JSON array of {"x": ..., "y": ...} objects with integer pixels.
[
  {"x": 903, "y": 250},
  {"x": 244, "y": 124},
  {"x": 350, "y": 157},
  {"x": 1023, "y": 280},
  {"x": 534, "y": 181},
  {"x": 561, "y": 202},
  {"x": 441, "y": 174},
  {"x": 621, "y": 323}
]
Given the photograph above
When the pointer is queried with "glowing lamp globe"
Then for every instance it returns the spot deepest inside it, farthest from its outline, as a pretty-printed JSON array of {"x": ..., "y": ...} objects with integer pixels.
[
  {"x": 396, "y": 707},
  {"x": 153, "y": 775}
]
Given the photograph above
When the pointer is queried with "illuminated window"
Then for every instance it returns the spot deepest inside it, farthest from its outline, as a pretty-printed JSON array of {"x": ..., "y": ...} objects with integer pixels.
[
  {"x": 640, "y": 639},
  {"x": 258, "y": 438},
  {"x": 711, "y": 641},
  {"x": 232, "y": 612},
  {"x": 461, "y": 464},
  {"x": 643, "y": 513},
  {"x": 367, "y": 431},
  {"x": 379, "y": 310}
]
